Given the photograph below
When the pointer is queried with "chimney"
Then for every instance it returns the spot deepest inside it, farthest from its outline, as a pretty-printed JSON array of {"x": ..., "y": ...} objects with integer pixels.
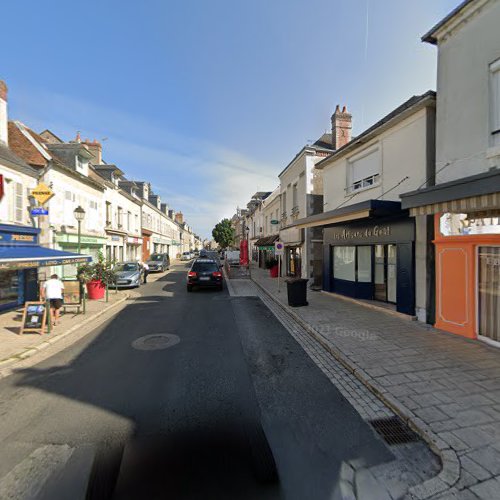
[
  {"x": 179, "y": 218},
  {"x": 341, "y": 127},
  {"x": 4, "y": 136},
  {"x": 96, "y": 149}
]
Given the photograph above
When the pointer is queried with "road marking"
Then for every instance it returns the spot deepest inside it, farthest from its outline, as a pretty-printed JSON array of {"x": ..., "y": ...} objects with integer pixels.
[
  {"x": 155, "y": 341},
  {"x": 27, "y": 478}
]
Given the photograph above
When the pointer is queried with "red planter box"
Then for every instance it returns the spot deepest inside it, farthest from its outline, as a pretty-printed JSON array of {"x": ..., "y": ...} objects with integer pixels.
[
  {"x": 95, "y": 290},
  {"x": 274, "y": 271}
]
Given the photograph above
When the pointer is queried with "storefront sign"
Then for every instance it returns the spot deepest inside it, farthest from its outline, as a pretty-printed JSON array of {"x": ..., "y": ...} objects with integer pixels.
[
  {"x": 34, "y": 317},
  {"x": 42, "y": 193},
  {"x": 17, "y": 238},
  {"x": 116, "y": 238},
  {"x": 84, "y": 240},
  {"x": 39, "y": 211},
  {"x": 351, "y": 234},
  {"x": 72, "y": 292},
  {"x": 39, "y": 263},
  {"x": 365, "y": 232},
  {"x": 134, "y": 241},
  {"x": 274, "y": 221}
]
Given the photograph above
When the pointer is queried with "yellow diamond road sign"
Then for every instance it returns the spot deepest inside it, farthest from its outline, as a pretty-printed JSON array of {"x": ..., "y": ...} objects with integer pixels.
[{"x": 42, "y": 193}]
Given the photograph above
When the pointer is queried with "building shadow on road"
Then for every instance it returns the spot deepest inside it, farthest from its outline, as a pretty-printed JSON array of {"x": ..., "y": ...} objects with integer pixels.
[{"x": 150, "y": 445}]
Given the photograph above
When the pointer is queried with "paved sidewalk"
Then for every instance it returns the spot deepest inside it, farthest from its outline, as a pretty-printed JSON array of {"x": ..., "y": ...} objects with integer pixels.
[{"x": 446, "y": 387}]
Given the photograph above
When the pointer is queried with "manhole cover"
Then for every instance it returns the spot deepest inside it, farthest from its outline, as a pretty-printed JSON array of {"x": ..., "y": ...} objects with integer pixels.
[{"x": 155, "y": 341}]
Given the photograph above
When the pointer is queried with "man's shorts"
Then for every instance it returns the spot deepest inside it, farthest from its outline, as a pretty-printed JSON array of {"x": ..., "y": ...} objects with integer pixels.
[{"x": 56, "y": 303}]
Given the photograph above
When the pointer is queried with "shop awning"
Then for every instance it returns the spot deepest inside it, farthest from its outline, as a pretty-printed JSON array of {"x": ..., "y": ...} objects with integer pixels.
[
  {"x": 23, "y": 257},
  {"x": 479, "y": 194},
  {"x": 266, "y": 241},
  {"x": 362, "y": 210}
]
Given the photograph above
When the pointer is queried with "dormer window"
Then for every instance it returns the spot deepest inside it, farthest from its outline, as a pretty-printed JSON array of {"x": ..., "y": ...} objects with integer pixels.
[{"x": 80, "y": 164}]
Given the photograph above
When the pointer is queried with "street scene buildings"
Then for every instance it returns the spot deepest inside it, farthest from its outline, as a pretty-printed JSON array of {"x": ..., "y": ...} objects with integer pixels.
[
  {"x": 335, "y": 336},
  {"x": 122, "y": 219},
  {"x": 405, "y": 215}
]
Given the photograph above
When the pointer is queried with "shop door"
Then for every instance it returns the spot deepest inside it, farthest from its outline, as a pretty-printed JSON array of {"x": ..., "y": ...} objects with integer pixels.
[
  {"x": 489, "y": 292},
  {"x": 385, "y": 275}
]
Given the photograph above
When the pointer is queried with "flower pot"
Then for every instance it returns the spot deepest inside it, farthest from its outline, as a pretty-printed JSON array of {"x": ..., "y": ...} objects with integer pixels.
[
  {"x": 273, "y": 271},
  {"x": 95, "y": 289}
]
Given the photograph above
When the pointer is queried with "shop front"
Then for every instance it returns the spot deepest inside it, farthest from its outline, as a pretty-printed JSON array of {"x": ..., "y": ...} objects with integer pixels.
[
  {"x": 134, "y": 245},
  {"x": 293, "y": 241},
  {"x": 467, "y": 248},
  {"x": 89, "y": 245},
  {"x": 161, "y": 245},
  {"x": 266, "y": 249},
  {"x": 115, "y": 248},
  {"x": 21, "y": 257},
  {"x": 372, "y": 260},
  {"x": 468, "y": 274}
]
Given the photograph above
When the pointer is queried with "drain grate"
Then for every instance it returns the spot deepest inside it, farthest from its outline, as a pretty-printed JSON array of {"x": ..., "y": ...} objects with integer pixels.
[{"x": 394, "y": 431}]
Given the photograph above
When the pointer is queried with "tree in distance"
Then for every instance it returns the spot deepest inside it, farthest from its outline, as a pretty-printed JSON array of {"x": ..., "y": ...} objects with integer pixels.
[{"x": 223, "y": 233}]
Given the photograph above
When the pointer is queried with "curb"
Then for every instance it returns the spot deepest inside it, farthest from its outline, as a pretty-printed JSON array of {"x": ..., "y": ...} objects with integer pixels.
[
  {"x": 7, "y": 364},
  {"x": 450, "y": 472}
]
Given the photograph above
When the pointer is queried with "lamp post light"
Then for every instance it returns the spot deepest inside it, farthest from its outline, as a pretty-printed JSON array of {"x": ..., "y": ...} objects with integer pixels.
[{"x": 79, "y": 213}]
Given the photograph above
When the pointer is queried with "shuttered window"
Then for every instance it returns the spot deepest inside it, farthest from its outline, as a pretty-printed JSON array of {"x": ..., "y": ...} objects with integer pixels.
[
  {"x": 364, "y": 170},
  {"x": 18, "y": 207}
]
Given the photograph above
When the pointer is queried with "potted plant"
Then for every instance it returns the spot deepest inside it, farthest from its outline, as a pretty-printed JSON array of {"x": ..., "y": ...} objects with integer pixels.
[
  {"x": 272, "y": 265},
  {"x": 97, "y": 275}
]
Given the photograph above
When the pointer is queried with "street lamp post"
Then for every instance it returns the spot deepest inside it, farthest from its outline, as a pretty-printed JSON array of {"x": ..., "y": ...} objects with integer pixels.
[{"x": 79, "y": 213}]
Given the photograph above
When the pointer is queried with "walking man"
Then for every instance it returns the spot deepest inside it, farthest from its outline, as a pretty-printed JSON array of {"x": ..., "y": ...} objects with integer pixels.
[
  {"x": 53, "y": 292},
  {"x": 146, "y": 271}
]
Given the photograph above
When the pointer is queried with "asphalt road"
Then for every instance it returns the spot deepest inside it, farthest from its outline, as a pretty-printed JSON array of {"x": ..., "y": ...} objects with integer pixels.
[{"x": 119, "y": 416}]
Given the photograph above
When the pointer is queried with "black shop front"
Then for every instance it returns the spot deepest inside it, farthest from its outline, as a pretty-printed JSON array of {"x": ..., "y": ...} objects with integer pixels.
[{"x": 373, "y": 260}]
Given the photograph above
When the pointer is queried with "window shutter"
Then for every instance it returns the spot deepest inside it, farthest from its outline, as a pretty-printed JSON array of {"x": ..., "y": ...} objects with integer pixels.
[
  {"x": 19, "y": 202},
  {"x": 367, "y": 166}
]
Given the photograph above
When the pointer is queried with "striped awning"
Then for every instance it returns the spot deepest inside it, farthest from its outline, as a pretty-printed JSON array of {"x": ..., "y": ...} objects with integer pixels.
[{"x": 486, "y": 205}]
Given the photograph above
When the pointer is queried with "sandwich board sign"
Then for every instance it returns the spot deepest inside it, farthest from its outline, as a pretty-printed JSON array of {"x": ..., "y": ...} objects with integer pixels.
[
  {"x": 34, "y": 317},
  {"x": 278, "y": 248}
]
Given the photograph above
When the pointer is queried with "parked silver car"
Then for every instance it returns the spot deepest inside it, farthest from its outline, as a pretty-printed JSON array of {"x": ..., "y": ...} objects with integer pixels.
[
  {"x": 128, "y": 274},
  {"x": 158, "y": 262}
]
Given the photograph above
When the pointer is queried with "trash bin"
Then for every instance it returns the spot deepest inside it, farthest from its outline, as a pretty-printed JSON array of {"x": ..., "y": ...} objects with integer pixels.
[{"x": 297, "y": 292}]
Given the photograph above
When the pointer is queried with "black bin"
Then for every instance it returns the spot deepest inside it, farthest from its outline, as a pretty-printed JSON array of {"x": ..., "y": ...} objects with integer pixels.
[{"x": 297, "y": 292}]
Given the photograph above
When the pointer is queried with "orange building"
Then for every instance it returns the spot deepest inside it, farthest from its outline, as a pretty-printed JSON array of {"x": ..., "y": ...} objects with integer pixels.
[{"x": 467, "y": 253}]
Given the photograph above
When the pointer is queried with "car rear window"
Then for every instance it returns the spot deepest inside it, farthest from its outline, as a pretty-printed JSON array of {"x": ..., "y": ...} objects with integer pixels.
[{"x": 199, "y": 267}]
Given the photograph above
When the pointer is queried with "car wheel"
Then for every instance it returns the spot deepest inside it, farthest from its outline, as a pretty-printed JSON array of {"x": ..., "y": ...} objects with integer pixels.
[{"x": 189, "y": 288}]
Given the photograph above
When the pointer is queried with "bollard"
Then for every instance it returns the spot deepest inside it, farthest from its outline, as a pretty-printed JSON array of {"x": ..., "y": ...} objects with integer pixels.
[
  {"x": 49, "y": 319},
  {"x": 106, "y": 285}
]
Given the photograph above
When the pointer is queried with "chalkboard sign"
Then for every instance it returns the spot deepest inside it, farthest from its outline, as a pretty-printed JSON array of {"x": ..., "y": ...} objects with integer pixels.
[
  {"x": 72, "y": 293},
  {"x": 34, "y": 317}
]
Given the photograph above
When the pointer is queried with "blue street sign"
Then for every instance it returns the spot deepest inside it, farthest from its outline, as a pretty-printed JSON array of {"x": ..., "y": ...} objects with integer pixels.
[{"x": 39, "y": 211}]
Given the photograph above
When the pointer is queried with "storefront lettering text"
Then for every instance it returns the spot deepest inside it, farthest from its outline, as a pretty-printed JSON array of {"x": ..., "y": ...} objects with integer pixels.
[{"x": 351, "y": 234}]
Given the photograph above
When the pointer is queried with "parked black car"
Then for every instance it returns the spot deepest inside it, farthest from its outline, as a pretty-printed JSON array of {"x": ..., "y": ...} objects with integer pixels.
[{"x": 204, "y": 273}]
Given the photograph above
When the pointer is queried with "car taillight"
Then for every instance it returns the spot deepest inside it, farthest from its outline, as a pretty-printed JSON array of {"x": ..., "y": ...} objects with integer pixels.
[
  {"x": 217, "y": 274},
  {"x": 192, "y": 274}
]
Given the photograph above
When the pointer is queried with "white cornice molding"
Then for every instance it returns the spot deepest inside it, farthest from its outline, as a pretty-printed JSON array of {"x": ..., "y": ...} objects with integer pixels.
[{"x": 455, "y": 24}]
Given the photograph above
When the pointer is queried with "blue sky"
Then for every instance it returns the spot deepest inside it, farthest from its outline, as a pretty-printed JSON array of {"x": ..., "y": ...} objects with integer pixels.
[{"x": 209, "y": 100}]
